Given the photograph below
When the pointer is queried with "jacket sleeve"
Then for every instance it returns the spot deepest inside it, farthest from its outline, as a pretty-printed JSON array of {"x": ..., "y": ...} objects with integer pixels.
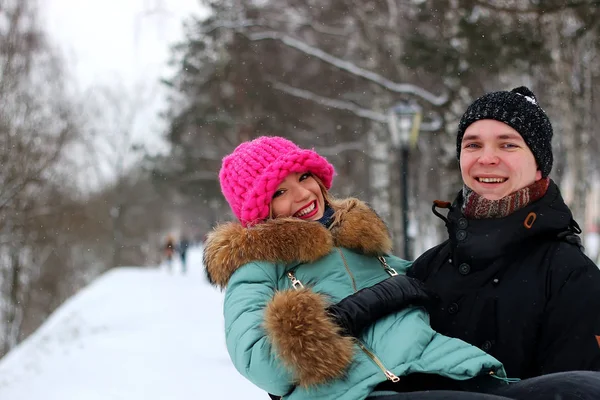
[
  {"x": 248, "y": 292},
  {"x": 363, "y": 308},
  {"x": 279, "y": 339},
  {"x": 570, "y": 331}
]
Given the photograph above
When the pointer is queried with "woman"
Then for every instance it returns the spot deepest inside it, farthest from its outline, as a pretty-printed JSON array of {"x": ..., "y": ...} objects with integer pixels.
[{"x": 295, "y": 251}]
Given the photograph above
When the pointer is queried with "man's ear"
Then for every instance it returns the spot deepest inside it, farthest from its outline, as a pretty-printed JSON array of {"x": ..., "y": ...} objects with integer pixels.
[{"x": 538, "y": 175}]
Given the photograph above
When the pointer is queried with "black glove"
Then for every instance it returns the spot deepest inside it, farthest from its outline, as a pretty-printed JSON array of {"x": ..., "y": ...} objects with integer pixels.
[{"x": 361, "y": 309}]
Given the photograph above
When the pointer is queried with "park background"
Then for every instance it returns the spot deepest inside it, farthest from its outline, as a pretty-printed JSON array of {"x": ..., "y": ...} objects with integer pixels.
[{"x": 115, "y": 115}]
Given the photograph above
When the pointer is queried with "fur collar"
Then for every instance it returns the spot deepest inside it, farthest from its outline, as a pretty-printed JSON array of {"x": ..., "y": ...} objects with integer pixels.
[{"x": 355, "y": 226}]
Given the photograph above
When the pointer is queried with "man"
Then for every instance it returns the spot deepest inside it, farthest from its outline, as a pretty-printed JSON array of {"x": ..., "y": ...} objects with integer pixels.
[
  {"x": 512, "y": 277},
  {"x": 183, "y": 246}
]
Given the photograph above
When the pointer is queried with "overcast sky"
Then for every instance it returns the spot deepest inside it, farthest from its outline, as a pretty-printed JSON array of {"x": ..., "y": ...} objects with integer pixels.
[
  {"x": 119, "y": 43},
  {"x": 108, "y": 39}
]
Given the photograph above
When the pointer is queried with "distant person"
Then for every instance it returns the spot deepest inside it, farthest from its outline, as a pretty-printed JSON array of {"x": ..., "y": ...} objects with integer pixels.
[
  {"x": 184, "y": 244},
  {"x": 169, "y": 250}
]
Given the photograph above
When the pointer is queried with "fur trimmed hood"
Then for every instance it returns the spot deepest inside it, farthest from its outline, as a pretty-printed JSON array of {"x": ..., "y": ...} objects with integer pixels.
[{"x": 355, "y": 226}]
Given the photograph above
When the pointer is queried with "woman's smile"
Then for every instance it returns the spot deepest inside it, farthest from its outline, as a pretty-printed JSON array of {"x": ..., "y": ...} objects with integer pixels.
[{"x": 308, "y": 211}]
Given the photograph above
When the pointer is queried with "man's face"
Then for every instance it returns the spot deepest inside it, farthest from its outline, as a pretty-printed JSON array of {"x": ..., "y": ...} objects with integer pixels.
[{"x": 495, "y": 161}]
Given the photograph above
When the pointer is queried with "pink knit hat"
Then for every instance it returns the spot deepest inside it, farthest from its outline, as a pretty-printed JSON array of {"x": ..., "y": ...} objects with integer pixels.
[{"x": 251, "y": 174}]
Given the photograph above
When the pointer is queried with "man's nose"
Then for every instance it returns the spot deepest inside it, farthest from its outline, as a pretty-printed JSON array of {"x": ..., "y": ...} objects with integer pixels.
[{"x": 488, "y": 156}]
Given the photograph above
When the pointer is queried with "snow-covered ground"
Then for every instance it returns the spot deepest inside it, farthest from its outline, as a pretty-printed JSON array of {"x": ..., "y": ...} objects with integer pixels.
[{"x": 133, "y": 334}]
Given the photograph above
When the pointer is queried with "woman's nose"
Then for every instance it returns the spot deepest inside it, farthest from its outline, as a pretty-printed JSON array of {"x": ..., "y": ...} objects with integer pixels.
[{"x": 301, "y": 193}]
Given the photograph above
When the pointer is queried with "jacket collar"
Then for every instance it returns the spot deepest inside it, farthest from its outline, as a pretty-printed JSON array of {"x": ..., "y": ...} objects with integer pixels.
[
  {"x": 284, "y": 240},
  {"x": 479, "y": 241}
]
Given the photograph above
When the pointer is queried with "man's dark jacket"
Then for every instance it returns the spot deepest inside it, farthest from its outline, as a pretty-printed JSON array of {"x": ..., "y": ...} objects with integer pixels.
[{"x": 518, "y": 288}]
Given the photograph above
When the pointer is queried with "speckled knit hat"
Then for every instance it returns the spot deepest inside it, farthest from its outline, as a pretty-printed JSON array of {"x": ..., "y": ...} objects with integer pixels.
[
  {"x": 251, "y": 174},
  {"x": 518, "y": 109}
]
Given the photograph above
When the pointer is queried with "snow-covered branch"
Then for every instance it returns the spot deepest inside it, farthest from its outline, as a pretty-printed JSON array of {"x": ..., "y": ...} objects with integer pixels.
[
  {"x": 327, "y": 30},
  {"x": 299, "y": 20},
  {"x": 426, "y": 126},
  {"x": 545, "y": 9},
  {"x": 235, "y": 25},
  {"x": 342, "y": 147},
  {"x": 325, "y": 101},
  {"x": 349, "y": 66}
]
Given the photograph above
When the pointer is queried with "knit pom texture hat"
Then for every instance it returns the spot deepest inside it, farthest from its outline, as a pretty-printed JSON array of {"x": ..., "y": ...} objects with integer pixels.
[
  {"x": 250, "y": 175},
  {"x": 520, "y": 110}
]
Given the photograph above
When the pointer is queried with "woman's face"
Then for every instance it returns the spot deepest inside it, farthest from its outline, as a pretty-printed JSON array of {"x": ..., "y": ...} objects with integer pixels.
[
  {"x": 299, "y": 196},
  {"x": 495, "y": 161}
]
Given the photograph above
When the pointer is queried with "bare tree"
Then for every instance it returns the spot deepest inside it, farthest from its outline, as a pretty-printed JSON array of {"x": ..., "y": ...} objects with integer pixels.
[
  {"x": 36, "y": 125},
  {"x": 115, "y": 116},
  {"x": 327, "y": 72}
]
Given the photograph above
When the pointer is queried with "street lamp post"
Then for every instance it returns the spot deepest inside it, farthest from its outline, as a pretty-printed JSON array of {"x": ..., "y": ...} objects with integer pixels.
[{"x": 404, "y": 120}]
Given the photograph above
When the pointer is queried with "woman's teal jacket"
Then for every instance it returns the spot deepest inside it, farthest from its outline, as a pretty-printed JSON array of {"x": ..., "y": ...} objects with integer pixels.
[{"x": 280, "y": 277}]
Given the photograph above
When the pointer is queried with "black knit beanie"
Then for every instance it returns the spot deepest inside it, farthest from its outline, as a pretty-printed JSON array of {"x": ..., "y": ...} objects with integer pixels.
[{"x": 518, "y": 109}]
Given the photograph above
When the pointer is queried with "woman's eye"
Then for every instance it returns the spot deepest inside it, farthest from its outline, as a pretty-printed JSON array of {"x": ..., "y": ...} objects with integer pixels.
[
  {"x": 304, "y": 176},
  {"x": 277, "y": 193}
]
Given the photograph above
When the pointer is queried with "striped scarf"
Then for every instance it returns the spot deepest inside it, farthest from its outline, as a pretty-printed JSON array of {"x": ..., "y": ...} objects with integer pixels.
[{"x": 477, "y": 207}]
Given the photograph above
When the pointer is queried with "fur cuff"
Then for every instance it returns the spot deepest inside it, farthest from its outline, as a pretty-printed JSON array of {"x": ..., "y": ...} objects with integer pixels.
[{"x": 305, "y": 338}]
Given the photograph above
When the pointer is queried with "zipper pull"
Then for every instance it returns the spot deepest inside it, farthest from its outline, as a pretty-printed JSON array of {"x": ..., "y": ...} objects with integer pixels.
[
  {"x": 391, "y": 271},
  {"x": 296, "y": 284},
  {"x": 390, "y": 375},
  {"x": 507, "y": 380}
]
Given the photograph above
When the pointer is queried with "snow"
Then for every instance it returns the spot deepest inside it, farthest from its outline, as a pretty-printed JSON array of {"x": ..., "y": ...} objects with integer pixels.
[
  {"x": 592, "y": 246},
  {"x": 134, "y": 333}
]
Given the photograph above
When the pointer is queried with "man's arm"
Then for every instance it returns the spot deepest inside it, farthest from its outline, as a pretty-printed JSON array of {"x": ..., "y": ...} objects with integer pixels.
[
  {"x": 361, "y": 309},
  {"x": 570, "y": 331}
]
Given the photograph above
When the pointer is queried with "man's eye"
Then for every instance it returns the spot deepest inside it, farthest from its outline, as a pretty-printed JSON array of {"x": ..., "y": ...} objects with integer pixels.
[
  {"x": 277, "y": 193},
  {"x": 471, "y": 146},
  {"x": 510, "y": 146}
]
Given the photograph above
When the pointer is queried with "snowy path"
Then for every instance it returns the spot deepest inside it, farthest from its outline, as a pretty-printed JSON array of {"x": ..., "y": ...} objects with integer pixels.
[{"x": 133, "y": 334}]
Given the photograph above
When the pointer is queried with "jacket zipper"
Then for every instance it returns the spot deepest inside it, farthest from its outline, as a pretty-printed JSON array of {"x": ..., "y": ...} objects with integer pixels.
[
  {"x": 507, "y": 380},
  {"x": 297, "y": 284},
  {"x": 388, "y": 374},
  {"x": 391, "y": 271},
  {"x": 348, "y": 270}
]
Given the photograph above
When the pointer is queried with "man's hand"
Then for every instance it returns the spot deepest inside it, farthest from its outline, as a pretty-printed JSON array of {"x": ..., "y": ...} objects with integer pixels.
[{"x": 361, "y": 309}]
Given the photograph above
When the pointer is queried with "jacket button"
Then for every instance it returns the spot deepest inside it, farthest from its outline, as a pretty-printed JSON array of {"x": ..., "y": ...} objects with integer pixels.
[
  {"x": 463, "y": 223},
  {"x": 486, "y": 346},
  {"x": 453, "y": 308},
  {"x": 464, "y": 268},
  {"x": 461, "y": 235}
]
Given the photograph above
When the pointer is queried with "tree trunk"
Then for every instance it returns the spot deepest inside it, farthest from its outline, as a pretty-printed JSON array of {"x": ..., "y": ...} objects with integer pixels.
[
  {"x": 379, "y": 173},
  {"x": 13, "y": 312}
]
